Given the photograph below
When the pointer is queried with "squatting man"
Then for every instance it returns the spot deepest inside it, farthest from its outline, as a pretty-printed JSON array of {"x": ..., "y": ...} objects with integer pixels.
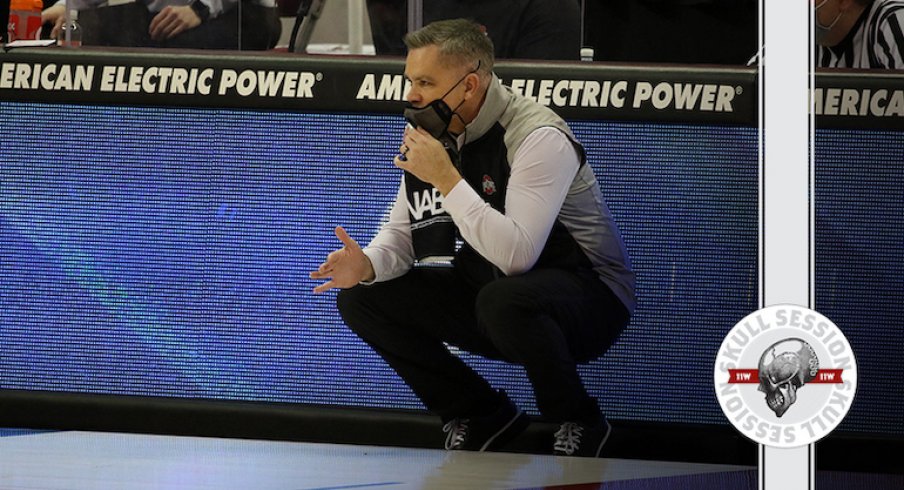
[{"x": 542, "y": 278}]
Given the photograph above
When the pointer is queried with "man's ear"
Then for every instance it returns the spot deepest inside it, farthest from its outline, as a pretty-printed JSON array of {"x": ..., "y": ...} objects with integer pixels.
[{"x": 472, "y": 83}]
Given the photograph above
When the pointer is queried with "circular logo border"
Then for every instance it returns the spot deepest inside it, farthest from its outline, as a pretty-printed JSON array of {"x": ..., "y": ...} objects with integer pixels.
[{"x": 737, "y": 386}]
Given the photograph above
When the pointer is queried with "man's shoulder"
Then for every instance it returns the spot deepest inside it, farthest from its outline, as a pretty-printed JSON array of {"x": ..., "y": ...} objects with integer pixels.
[
  {"x": 524, "y": 118},
  {"x": 524, "y": 111},
  {"x": 885, "y": 12},
  {"x": 883, "y": 34}
]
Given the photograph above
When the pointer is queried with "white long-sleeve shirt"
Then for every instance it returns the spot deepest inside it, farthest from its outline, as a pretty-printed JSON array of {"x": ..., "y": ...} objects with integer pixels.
[
  {"x": 511, "y": 241},
  {"x": 548, "y": 191}
]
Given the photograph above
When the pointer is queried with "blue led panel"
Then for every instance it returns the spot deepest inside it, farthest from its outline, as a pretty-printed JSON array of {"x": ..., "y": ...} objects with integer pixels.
[
  {"x": 860, "y": 264},
  {"x": 165, "y": 252}
]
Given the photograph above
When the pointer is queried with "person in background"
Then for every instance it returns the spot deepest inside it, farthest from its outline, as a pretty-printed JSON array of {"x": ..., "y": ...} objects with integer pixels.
[
  {"x": 721, "y": 32},
  {"x": 860, "y": 34},
  {"x": 542, "y": 279},
  {"x": 522, "y": 29},
  {"x": 199, "y": 24}
]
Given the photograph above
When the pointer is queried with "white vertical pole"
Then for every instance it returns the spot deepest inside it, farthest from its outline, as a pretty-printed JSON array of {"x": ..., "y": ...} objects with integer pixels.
[
  {"x": 785, "y": 193},
  {"x": 415, "y": 15},
  {"x": 356, "y": 26}
]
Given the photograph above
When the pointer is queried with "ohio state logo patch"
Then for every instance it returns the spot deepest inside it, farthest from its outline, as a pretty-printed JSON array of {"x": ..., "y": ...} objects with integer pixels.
[
  {"x": 489, "y": 187},
  {"x": 785, "y": 376}
]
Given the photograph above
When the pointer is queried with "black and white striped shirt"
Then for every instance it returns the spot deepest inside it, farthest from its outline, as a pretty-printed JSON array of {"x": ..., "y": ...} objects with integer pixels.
[{"x": 875, "y": 41}]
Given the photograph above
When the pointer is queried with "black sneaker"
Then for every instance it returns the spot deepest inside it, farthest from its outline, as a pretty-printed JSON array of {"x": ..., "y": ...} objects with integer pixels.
[
  {"x": 574, "y": 439},
  {"x": 485, "y": 433}
]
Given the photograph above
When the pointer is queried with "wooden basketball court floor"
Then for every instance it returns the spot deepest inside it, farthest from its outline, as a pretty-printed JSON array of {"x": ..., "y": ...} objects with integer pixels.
[{"x": 75, "y": 460}]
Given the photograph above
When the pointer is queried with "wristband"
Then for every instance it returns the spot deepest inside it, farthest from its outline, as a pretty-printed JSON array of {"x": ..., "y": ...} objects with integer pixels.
[{"x": 202, "y": 10}]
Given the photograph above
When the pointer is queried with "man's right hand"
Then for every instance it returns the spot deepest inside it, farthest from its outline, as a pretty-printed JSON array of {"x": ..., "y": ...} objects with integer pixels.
[
  {"x": 345, "y": 267},
  {"x": 54, "y": 15},
  {"x": 172, "y": 21}
]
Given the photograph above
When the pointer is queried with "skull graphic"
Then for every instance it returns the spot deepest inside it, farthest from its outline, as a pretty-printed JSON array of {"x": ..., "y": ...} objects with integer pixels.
[{"x": 784, "y": 367}]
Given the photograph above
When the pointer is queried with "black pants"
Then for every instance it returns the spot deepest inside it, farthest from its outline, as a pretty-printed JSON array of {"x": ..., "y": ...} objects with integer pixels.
[
  {"x": 257, "y": 28},
  {"x": 546, "y": 320}
]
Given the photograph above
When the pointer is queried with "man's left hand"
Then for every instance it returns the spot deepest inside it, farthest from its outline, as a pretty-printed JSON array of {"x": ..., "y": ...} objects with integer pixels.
[
  {"x": 172, "y": 21},
  {"x": 427, "y": 160}
]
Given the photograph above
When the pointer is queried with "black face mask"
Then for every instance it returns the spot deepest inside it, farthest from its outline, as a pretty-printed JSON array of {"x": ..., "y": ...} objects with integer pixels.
[{"x": 436, "y": 116}]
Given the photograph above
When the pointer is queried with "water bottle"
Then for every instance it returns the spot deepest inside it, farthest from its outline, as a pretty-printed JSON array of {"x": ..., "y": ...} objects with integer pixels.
[
  {"x": 70, "y": 35},
  {"x": 25, "y": 19}
]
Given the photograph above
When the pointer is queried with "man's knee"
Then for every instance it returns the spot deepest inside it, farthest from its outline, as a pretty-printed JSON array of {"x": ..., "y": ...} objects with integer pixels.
[
  {"x": 351, "y": 305},
  {"x": 501, "y": 305}
]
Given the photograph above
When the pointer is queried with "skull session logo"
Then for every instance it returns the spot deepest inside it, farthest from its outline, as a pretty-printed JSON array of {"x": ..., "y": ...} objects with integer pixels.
[
  {"x": 784, "y": 367},
  {"x": 785, "y": 376}
]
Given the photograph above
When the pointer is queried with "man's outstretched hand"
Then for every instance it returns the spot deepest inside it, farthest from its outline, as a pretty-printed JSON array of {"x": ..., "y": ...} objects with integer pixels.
[{"x": 345, "y": 267}]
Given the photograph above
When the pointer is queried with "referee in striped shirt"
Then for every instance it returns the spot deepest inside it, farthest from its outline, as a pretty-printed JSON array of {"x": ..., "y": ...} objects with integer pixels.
[{"x": 860, "y": 34}]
